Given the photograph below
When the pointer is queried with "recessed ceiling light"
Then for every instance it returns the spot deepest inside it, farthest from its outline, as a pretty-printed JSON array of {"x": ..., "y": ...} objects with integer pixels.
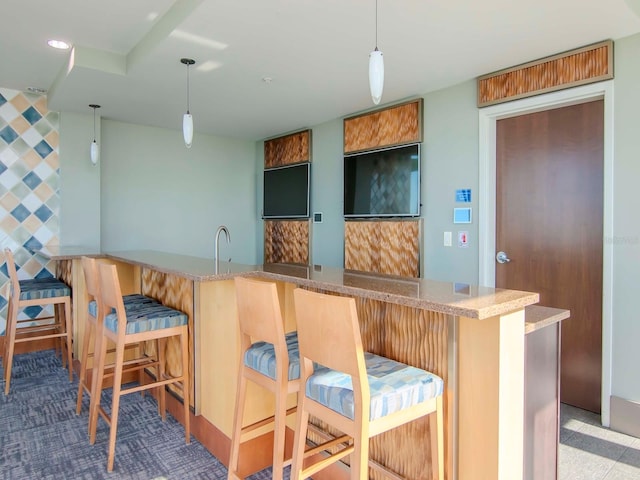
[
  {"x": 267, "y": 80},
  {"x": 59, "y": 44}
]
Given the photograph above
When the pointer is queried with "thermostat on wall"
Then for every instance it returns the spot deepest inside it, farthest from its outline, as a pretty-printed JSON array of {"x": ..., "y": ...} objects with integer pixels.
[{"x": 462, "y": 215}]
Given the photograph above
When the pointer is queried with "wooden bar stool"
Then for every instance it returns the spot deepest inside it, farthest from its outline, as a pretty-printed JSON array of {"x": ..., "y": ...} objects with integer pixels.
[
  {"x": 131, "y": 302},
  {"x": 359, "y": 393},
  {"x": 268, "y": 358},
  {"x": 153, "y": 322},
  {"x": 36, "y": 292}
]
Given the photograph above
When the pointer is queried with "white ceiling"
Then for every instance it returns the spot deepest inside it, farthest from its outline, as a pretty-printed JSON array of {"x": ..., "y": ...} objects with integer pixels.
[{"x": 127, "y": 53}]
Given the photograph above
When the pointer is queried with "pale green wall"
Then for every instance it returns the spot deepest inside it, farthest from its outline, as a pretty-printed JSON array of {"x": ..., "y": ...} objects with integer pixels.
[
  {"x": 159, "y": 195},
  {"x": 626, "y": 238},
  {"x": 449, "y": 162},
  {"x": 79, "y": 182}
]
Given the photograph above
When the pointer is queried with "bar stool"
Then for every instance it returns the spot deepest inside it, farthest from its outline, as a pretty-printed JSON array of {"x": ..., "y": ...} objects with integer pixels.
[
  {"x": 268, "y": 358},
  {"x": 153, "y": 322},
  {"x": 131, "y": 302},
  {"x": 36, "y": 292},
  {"x": 360, "y": 394}
]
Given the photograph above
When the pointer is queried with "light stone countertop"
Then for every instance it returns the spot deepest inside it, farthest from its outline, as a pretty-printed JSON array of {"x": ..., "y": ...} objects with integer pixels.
[
  {"x": 537, "y": 317},
  {"x": 445, "y": 297}
]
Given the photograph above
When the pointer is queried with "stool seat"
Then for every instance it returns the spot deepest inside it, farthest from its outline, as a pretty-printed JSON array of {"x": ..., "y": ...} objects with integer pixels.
[
  {"x": 39, "y": 288},
  {"x": 394, "y": 386},
  {"x": 146, "y": 318},
  {"x": 130, "y": 302},
  {"x": 261, "y": 357}
]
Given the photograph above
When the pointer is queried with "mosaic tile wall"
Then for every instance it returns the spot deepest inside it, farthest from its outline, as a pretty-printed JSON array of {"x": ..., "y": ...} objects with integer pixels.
[{"x": 29, "y": 188}]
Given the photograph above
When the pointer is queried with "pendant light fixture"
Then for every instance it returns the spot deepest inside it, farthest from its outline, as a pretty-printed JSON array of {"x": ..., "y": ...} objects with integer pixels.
[
  {"x": 94, "y": 151},
  {"x": 376, "y": 69},
  {"x": 187, "y": 119}
]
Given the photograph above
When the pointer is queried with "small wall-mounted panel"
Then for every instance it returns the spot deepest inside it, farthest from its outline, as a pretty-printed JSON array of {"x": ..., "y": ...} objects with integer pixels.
[
  {"x": 286, "y": 241},
  {"x": 288, "y": 149},
  {"x": 589, "y": 64},
  {"x": 390, "y": 247},
  {"x": 394, "y": 125}
]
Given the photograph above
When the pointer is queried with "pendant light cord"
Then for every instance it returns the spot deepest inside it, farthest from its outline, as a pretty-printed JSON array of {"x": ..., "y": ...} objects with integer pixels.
[
  {"x": 188, "y": 87},
  {"x": 94, "y": 124},
  {"x": 376, "y": 24}
]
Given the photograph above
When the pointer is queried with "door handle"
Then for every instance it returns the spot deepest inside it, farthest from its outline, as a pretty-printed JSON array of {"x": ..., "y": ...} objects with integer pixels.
[{"x": 502, "y": 257}]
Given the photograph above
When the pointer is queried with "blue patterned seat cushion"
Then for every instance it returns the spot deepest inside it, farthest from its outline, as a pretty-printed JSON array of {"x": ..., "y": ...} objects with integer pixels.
[
  {"x": 152, "y": 316},
  {"x": 43, "y": 288},
  {"x": 261, "y": 356},
  {"x": 130, "y": 302},
  {"x": 394, "y": 386}
]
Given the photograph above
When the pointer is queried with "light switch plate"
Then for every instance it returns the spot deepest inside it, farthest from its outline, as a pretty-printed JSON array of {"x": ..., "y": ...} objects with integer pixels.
[{"x": 447, "y": 239}]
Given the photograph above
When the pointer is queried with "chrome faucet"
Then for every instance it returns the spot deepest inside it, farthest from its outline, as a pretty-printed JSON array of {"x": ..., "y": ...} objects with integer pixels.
[{"x": 224, "y": 229}]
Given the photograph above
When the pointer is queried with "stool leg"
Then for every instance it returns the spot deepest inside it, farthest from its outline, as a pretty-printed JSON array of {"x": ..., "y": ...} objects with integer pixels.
[
  {"x": 186, "y": 384},
  {"x": 279, "y": 429},
  {"x": 161, "y": 343},
  {"x": 236, "y": 434},
  {"x": 300, "y": 437},
  {"x": 360, "y": 455},
  {"x": 86, "y": 342},
  {"x": 115, "y": 404},
  {"x": 436, "y": 427},
  {"x": 9, "y": 338},
  {"x": 69, "y": 336},
  {"x": 97, "y": 378}
]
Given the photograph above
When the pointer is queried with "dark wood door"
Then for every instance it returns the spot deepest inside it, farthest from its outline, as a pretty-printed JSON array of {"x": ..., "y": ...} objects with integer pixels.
[{"x": 549, "y": 217}]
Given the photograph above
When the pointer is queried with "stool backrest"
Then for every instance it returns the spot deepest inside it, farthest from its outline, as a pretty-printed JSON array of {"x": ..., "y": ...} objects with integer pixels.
[
  {"x": 329, "y": 333},
  {"x": 259, "y": 312},
  {"x": 111, "y": 295},
  {"x": 13, "y": 274}
]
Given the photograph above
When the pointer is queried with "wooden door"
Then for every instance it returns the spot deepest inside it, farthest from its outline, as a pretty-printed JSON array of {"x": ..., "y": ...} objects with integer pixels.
[{"x": 549, "y": 222}]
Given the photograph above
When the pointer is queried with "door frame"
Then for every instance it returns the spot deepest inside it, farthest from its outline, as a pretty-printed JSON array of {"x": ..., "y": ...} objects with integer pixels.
[{"x": 488, "y": 118}]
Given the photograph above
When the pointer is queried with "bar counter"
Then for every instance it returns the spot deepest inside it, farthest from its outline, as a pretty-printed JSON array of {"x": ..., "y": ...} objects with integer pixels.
[{"x": 473, "y": 337}]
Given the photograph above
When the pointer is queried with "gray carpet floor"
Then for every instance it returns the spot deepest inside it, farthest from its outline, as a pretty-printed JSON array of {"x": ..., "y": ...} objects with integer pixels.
[{"x": 41, "y": 437}]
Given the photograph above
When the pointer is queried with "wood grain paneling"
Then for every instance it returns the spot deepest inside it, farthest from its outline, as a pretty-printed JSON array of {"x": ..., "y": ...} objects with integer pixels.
[
  {"x": 589, "y": 64},
  {"x": 288, "y": 149},
  {"x": 419, "y": 338},
  {"x": 286, "y": 241},
  {"x": 64, "y": 271},
  {"x": 390, "y": 247},
  {"x": 175, "y": 292},
  {"x": 394, "y": 125}
]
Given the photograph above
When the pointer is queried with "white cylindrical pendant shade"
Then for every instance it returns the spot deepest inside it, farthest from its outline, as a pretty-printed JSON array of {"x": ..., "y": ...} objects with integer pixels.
[
  {"x": 95, "y": 152},
  {"x": 187, "y": 129},
  {"x": 376, "y": 75}
]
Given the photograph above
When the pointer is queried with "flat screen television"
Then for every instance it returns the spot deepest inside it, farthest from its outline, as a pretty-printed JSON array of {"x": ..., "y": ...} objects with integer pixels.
[
  {"x": 286, "y": 191},
  {"x": 383, "y": 183}
]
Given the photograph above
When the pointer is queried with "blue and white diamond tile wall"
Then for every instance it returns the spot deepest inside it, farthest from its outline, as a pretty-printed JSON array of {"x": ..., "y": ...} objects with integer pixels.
[{"x": 29, "y": 188}]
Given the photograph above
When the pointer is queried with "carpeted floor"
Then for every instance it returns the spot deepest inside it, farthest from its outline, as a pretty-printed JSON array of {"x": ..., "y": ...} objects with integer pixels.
[{"x": 41, "y": 437}]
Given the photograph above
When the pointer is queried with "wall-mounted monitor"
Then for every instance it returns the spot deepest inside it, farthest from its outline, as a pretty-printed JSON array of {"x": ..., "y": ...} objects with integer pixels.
[
  {"x": 286, "y": 191},
  {"x": 383, "y": 183}
]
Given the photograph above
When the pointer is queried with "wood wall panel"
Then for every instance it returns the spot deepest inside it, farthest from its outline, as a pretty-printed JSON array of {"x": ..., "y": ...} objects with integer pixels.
[
  {"x": 589, "y": 64},
  {"x": 390, "y": 247},
  {"x": 417, "y": 337},
  {"x": 175, "y": 292},
  {"x": 395, "y": 125},
  {"x": 64, "y": 271},
  {"x": 288, "y": 149},
  {"x": 286, "y": 241}
]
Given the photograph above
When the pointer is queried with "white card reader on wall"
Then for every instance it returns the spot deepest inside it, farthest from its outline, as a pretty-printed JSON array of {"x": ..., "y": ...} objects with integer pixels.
[{"x": 462, "y": 215}]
